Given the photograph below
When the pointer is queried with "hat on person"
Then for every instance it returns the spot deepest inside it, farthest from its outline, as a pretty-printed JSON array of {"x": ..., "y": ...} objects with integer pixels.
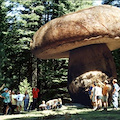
[
  {"x": 106, "y": 81},
  {"x": 115, "y": 80},
  {"x": 5, "y": 89}
]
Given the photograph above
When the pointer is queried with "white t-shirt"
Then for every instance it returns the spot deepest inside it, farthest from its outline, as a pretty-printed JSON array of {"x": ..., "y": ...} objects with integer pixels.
[
  {"x": 42, "y": 105},
  {"x": 98, "y": 91},
  {"x": 20, "y": 97}
]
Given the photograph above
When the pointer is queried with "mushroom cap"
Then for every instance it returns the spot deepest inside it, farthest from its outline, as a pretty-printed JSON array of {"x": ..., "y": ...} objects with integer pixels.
[{"x": 94, "y": 25}]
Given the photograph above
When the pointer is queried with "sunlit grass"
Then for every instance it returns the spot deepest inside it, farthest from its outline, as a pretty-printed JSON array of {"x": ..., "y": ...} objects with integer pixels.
[{"x": 66, "y": 113}]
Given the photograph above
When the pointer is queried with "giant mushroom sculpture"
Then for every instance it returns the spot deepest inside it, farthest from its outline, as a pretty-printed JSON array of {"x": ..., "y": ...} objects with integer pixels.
[{"x": 87, "y": 38}]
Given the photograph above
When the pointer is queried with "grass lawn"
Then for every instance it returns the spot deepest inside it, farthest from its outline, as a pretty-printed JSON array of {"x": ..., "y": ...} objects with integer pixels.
[{"x": 70, "y": 112}]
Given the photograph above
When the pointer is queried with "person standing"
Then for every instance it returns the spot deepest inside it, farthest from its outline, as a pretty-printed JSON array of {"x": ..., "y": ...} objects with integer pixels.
[
  {"x": 116, "y": 88},
  {"x": 6, "y": 100},
  {"x": 94, "y": 97},
  {"x": 19, "y": 98},
  {"x": 35, "y": 92},
  {"x": 13, "y": 101},
  {"x": 105, "y": 95},
  {"x": 99, "y": 96},
  {"x": 26, "y": 101}
]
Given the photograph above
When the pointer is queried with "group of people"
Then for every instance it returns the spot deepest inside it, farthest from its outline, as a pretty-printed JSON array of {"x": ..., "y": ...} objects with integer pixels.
[
  {"x": 51, "y": 104},
  {"x": 12, "y": 101},
  {"x": 99, "y": 95}
]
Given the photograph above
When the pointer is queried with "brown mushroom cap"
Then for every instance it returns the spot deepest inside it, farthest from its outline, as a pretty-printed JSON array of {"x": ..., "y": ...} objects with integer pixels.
[{"x": 95, "y": 25}]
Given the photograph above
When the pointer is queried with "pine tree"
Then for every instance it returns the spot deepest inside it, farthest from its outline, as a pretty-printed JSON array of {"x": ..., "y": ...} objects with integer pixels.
[{"x": 3, "y": 28}]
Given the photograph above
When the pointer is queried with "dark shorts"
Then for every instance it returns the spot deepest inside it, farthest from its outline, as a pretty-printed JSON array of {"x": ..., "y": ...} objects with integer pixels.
[{"x": 7, "y": 104}]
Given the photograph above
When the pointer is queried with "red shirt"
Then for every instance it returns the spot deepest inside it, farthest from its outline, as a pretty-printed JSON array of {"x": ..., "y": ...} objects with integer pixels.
[{"x": 35, "y": 93}]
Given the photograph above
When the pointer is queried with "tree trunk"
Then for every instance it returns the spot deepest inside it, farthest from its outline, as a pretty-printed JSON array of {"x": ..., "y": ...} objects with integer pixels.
[{"x": 35, "y": 72}]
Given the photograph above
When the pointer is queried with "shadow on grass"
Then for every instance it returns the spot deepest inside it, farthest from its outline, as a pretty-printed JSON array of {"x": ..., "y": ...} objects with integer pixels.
[
  {"x": 84, "y": 115},
  {"x": 98, "y": 115}
]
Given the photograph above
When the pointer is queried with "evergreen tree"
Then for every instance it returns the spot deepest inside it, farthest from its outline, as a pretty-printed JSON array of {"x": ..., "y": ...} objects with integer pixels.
[
  {"x": 11, "y": 63},
  {"x": 3, "y": 28},
  {"x": 31, "y": 19}
]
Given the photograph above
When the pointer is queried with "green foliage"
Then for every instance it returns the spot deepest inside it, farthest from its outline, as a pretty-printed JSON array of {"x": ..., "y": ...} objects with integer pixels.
[
  {"x": 116, "y": 56},
  {"x": 81, "y": 4},
  {"x": 24, "y": 85},
  {"x": 53, "y": 73},
  {"x": 3, "y": 29}
]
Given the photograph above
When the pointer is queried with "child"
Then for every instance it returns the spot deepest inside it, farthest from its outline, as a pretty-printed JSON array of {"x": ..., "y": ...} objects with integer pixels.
[
  {"x": 59, "y": 104},
  {"x": 43, "y": 106}
]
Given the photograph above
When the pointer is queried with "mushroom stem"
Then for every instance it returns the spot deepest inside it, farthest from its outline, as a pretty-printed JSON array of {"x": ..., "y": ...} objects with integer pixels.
[{"x": 90, "y": 58}]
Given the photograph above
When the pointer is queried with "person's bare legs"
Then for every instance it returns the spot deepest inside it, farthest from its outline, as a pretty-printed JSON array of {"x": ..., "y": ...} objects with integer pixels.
[
  {"x": 105, "y": 105},
  {"x": 20, "y": 107},
  {"x": 100, "y": 103},
  {"x": 17, "y": 108},
  {"x": 6, "y": 110},
  {"x": 95, "y": 105}
]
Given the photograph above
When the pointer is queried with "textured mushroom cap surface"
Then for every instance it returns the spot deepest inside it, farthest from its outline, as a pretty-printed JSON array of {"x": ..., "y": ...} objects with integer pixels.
[{"x": 95, "y": 25}]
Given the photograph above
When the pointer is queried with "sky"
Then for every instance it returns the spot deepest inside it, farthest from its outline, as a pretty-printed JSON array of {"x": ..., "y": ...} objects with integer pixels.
[{"x": 97, "y": 2}]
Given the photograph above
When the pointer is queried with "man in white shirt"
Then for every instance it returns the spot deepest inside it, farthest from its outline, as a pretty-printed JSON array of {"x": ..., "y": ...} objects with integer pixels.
[
  {"x": 93, "y": 95},
  {"x": 99, "y": 96},
  {"x": 96, "y": 96},
  {"x": 19, "y": 98}
]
